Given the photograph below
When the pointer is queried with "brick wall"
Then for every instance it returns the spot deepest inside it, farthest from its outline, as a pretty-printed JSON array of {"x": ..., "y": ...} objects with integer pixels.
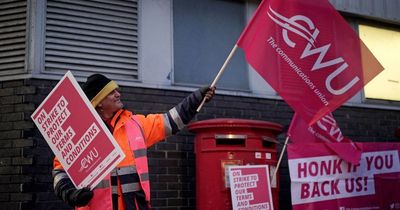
[
  {"x": 14, "y": 144},
  {"x": 26, "y": 160}
]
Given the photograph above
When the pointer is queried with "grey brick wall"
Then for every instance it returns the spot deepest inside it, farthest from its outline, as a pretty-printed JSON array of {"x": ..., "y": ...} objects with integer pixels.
[
  {"x": 14, "y": 143},
  {"x": 26, "y": 160}
]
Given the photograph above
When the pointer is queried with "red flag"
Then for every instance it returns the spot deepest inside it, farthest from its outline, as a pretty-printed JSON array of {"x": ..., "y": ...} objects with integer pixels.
[
  {"x": 325, "y": 131},
  {"x": 308, "y": 53}
]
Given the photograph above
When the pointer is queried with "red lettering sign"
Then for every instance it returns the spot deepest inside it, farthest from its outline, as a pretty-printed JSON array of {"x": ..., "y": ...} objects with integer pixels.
[
  {"x": 76, "y": 134},
  {"x": 321, "y": 180},
  {"x": 250, "y": 187}
]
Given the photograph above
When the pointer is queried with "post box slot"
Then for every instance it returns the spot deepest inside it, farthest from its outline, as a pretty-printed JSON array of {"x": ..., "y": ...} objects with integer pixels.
[
  {"x": 230, "y": 140},
  {"x": 268, "y": 142}
]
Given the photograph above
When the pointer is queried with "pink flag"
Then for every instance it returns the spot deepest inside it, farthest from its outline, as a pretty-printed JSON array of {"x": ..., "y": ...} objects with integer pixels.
[
  {"x": 325, "y": 131},
  {"x": 308, "y": 53}
]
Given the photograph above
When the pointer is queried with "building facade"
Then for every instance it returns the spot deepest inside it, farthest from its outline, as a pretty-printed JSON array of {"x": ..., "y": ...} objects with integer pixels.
[{"x": 159, "y": 51}]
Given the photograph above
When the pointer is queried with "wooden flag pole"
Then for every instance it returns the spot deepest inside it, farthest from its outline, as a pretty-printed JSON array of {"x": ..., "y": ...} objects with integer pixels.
[
  {"x": 221, "y": 71},
  {"x": 280, "y": 159}
]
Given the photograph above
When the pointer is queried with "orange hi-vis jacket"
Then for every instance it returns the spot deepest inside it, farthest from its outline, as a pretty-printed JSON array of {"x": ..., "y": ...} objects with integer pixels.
[
  {"x": 126, "y": 128},
  {"x": 149, "y": 130}
]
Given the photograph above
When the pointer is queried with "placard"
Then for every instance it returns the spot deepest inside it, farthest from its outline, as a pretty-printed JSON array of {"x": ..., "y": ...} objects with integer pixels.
[
  {"x": 250, "y": 187},
  {"x": 76, "y": 134}
]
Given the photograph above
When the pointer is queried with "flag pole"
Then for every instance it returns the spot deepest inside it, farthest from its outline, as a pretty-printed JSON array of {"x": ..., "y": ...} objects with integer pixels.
[
  {"x": 280, "y": 160},
  {"x": 221, "y": 71}
]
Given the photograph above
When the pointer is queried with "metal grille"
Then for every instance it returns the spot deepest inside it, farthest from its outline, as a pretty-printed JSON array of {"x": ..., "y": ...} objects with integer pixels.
[
  {"x": 92, "y": 36},
  {"x": 12, "y": 36}
]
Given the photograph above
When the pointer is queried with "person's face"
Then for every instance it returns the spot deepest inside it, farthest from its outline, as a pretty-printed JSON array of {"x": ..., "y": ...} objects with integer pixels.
[{"x": 111, "y": 104}]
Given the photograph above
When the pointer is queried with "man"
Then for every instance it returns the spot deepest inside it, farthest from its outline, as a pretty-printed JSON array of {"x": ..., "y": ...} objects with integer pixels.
[{"x": 127, "y": 187}]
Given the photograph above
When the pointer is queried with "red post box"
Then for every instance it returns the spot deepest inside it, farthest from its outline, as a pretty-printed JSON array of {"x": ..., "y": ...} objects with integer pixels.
[{"x": 225, "y": 142}]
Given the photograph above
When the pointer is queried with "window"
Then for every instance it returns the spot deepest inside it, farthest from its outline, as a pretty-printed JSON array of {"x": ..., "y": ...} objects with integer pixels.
[
  {"x": 204, "y": 32},
  {"x": 384, "y": 43}
]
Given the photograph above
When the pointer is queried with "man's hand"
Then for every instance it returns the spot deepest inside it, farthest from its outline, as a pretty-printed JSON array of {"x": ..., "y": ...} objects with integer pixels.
[
  {"x": 80, "y": 197},
  {"x": 208, "y": 92}
]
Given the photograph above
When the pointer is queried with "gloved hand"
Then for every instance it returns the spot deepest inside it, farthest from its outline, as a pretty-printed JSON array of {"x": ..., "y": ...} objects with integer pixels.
[
  {"x": 65, "y": 190},
  {"x": 208, "y": 92},
  {"x": 79, "y": 197}
]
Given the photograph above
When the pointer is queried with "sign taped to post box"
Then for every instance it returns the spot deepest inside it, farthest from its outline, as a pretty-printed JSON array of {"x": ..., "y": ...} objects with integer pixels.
[
  {"x": 76, "y": 134},
  {"x": 250, "y": 187}
]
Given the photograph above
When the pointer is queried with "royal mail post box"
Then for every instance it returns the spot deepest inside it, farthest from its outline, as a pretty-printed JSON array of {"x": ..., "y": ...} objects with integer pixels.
[{"x": 220, "y": 143}]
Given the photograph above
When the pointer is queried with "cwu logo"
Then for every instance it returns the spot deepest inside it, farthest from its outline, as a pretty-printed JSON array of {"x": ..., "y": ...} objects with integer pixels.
[
  {"x": 310, "y": 33},
  {"x": 90, "y": 158}
]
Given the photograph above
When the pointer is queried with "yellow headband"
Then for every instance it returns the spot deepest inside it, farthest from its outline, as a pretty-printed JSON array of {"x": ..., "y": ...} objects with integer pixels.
[{"x": 104, "y": 92}]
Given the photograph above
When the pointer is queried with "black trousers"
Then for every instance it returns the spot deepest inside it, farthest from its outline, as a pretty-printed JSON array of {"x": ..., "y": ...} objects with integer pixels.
[{"x": 132, "y": 200}]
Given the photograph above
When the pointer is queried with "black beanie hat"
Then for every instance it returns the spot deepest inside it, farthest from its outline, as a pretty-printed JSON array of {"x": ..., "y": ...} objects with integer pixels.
[{"x": 97, "y": 87}]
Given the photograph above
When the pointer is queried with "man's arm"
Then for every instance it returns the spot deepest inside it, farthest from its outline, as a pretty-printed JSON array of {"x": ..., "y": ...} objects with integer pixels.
[{"x": 183, "y": 113}]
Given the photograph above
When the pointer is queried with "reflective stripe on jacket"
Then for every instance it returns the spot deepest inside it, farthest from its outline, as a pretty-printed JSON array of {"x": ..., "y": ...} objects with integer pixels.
[{"x": 150, "y": 129}]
